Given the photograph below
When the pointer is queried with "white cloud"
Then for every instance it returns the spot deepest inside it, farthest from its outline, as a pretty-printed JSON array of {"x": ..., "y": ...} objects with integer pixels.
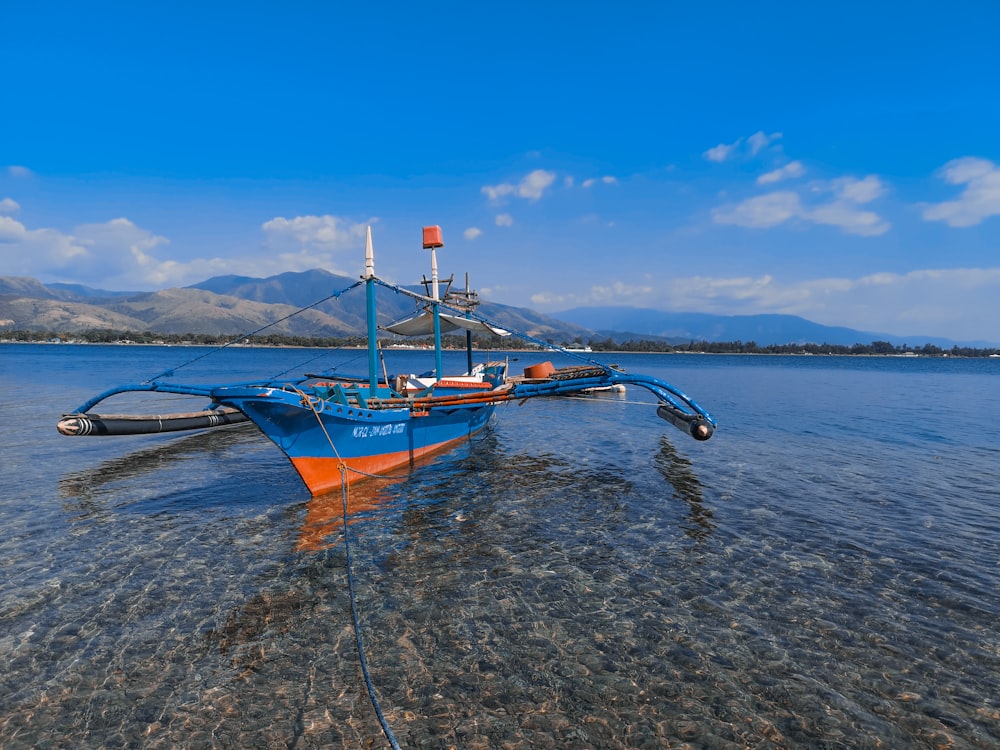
[
  {"x": 28, "y": 252},
  {"x": 720, "y": 295},
  {"x": 121, "y": 233},
  {"x": 535, "y": 183},
  {"x": 858, "y": 191},
  {"x": 848, "y": 218},
  {"x": 306, "y": 242},
  {"x": 551, "y": 299},
  {"x": 762, "y": 211},
  {"x": 504, "y": 220},
  {"x": 607, "y": 180},
  {"x": 324, "y": 232},
  {"x": 789, "y": 171},
  {"x": 9, "y": 206},
  {"x": 953, "y": 303},
  {"x": 120, "y": 250},
  {"x": 118, "y": 254},
  {"x": 760, "y": 140},
  {"x": 532, "y": 186},
  {"x": 116, "y": 251},
  {"x": 842, "y": 211},
  {"x": 472, "y": 233},
  {"x": 18, "y": 171},
  {"x": 980, "y": 199},
  {"x": 961, "y": 304},
  {"x": 721, "y": 152},
  {"x": 618, "y": 291},
  {"x": 752, "y": 145},
  {"x": 496, "y": 192}
]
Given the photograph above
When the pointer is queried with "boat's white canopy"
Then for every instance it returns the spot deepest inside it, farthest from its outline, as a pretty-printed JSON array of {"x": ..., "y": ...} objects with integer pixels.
[{"x": 423, "y": 324}]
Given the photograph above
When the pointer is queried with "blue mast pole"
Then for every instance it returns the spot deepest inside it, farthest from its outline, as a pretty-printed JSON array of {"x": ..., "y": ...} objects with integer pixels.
[{"x": 372, "y": 321}]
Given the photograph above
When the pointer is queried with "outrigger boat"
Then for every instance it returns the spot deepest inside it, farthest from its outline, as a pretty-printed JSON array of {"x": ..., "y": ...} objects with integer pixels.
[{"x": 336, "y": 430}]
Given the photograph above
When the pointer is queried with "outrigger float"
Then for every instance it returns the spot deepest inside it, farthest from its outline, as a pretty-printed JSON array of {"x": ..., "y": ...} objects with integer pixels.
[{"x": 336, "y": 429}]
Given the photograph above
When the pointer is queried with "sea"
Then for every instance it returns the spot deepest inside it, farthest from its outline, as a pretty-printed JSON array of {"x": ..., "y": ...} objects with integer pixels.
[{"x": 822, "y": 573}]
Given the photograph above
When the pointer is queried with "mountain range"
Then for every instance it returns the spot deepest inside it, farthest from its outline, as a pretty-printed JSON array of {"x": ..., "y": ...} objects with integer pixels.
[
  {"x": 235, "y": 305},
  {"x": 639, "y": 323}
]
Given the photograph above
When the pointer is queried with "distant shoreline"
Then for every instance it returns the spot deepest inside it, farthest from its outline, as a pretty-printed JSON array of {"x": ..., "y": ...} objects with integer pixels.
[{"x": 987, "y": 353}]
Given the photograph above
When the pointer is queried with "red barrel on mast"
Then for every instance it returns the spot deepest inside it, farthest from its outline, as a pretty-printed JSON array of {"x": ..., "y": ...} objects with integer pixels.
[{"x": 432, "y": 237}]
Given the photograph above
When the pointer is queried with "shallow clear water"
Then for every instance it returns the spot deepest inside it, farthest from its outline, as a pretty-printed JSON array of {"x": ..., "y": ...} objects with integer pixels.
[{"x": 822, "y": 573}]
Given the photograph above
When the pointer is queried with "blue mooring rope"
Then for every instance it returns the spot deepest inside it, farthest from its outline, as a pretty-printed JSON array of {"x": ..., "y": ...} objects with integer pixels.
[{"x": 357, "y": 627}]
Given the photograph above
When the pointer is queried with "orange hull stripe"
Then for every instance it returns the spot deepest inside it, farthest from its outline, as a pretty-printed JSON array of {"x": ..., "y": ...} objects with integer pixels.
[{"x": 323, "y": 474}]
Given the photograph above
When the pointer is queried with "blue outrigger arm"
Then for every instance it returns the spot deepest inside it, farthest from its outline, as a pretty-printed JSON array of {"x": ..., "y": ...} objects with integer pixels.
[{"x": 675, "y": 407}]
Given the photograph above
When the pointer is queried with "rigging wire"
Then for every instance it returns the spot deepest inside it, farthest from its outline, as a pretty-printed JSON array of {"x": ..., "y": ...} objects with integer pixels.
[
  {"x": 591, "y": 399},
  {"x": 336, "y": 295},
  {"x": 169, "y": 372},
  {"x": 483, "y": 319}
]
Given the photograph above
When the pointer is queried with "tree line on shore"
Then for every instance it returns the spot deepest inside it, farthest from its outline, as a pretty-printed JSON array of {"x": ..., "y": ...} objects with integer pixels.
[{"x": 883, "y": 348}]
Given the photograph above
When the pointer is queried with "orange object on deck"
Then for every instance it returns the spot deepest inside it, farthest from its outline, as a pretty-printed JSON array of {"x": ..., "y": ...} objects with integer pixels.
[
  {"x": 541, "y": 370},
  {"x": 433, "y": 237}
]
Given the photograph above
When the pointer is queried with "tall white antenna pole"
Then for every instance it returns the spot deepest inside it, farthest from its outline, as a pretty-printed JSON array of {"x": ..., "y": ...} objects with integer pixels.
[
  {"x": 434, "y": 274},
  {"x": 369, "y": 256},
  {"x": 370, "y": 314}
]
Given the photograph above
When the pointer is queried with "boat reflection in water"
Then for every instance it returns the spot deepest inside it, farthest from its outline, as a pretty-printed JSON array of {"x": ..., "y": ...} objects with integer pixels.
[
  {"x": 324, "y": 519},
  {"x": 677, "y": 470},
  {"x": 177, "y": 459}
]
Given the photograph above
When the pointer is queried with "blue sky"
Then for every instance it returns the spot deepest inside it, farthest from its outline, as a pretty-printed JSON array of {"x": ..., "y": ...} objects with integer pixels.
[{"x": 839, "y": 162}]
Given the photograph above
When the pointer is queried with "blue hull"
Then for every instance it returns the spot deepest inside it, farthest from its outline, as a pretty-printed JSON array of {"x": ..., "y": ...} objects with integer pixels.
[{"x": 328, "y": 442}]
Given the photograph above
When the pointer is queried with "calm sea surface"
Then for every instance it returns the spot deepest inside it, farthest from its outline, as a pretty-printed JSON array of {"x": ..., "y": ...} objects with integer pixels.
[{"x": 822, "y": 573}]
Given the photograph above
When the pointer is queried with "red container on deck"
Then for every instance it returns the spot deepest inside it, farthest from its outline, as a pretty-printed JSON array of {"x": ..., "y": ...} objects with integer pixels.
[
  {"x": 541, "y": 370},
  {"x": 432, "y": 237}
]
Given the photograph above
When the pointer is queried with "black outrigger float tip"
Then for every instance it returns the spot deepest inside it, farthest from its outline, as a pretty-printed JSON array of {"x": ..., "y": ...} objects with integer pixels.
[
  {"x": 694, "y": 425},
  {"x": 147, "y": 424}
]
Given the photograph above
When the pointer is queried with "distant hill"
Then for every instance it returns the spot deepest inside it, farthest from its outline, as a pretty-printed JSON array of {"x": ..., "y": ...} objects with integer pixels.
[
  {"x": 80, "y": 292},
  {"x": 25, "y": 286},
  {"x": 301, "y": 289},
  {"x": 304, "y": 288},
  {"x": 42, "y": 314},
  {"x": 625, "y": 323},
  {"x": 293, "y": 288},
  {"x": 235, "y": 305}
]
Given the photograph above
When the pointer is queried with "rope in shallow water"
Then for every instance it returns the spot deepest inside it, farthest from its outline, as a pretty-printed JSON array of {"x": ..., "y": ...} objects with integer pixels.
[
  {"x": 354, "y": 616},
  {"x": 344, "y": 485}
]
